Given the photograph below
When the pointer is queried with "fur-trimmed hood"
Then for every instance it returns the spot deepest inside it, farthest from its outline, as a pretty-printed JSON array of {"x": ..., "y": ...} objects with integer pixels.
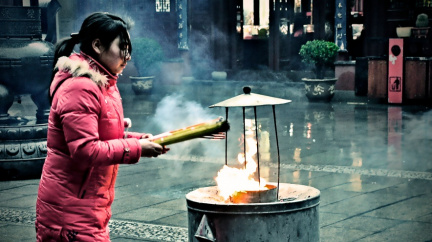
[{"x": 78, "y": 65}]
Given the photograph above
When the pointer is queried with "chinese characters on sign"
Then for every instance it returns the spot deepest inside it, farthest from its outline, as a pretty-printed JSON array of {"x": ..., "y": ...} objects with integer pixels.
[
  {"x": 182, "y": 24},
  {"x": 340, "y": 24}
]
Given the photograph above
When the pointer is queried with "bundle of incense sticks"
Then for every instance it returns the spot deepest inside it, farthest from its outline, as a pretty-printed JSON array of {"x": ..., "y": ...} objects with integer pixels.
[{"x": 200, "y": 130}]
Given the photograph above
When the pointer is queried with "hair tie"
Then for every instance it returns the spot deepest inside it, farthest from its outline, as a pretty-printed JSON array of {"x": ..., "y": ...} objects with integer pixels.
[{"x": 75, "y": 36}]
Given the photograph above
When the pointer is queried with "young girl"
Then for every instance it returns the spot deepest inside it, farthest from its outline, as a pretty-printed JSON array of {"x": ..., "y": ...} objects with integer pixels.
[{"x": 86, "y": 140}]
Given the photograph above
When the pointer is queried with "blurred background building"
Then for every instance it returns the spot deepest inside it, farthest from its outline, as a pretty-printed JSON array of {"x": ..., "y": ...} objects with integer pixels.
[{"x": 235, "y": 35}]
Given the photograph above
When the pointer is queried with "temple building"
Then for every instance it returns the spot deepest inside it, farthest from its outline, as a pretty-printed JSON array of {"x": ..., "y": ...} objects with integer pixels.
[{"x": 235, "y": 35}]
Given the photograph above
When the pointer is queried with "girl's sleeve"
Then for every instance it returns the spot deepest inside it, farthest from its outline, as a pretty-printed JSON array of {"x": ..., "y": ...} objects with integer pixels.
[{"x": 79, "y": 115}]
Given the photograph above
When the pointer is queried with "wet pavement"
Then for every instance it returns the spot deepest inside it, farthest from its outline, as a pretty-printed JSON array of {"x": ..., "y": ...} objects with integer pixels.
[{"x": 371, "y": 162}]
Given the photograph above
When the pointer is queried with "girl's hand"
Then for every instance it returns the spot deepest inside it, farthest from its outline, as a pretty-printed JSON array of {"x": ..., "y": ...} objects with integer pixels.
[
  {"x": 165, "y": 149},
  {"x": 147, "y": 136},
  {"x": 150, "y": 149}
]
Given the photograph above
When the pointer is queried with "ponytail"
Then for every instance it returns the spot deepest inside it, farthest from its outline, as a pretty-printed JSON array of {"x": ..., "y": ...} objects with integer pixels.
[{"x": 63, "y": 48}]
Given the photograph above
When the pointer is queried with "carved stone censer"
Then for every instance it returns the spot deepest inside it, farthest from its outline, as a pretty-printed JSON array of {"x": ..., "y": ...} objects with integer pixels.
[{"x": 26, "y": 63}]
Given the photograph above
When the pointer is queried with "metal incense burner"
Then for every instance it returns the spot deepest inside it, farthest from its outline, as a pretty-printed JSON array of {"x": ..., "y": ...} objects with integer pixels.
[
  {"x": 284, "y": 212},
  {"x": 26, "y": 62}
]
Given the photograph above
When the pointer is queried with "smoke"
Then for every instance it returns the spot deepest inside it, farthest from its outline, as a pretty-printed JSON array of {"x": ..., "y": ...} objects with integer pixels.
[
  {"x": 416, "y": 141},
  {"x": 175, "y": 112},
  {"x": 200, "y": 55},
  {"x": 419, "y": 127}
]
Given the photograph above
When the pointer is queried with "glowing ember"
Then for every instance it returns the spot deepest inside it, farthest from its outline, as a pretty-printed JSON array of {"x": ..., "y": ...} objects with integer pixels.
[{"x": 231, "y": 180}]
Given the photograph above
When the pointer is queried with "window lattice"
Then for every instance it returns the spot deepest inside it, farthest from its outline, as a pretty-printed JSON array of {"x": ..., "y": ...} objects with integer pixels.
[
  {"x": 162, "y": 6},
  {"x": 424, "y": 3}
]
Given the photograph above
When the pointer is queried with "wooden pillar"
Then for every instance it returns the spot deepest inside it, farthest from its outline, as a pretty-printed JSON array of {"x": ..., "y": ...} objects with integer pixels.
[
  {"x": 376, "y": 43},
  {"x": 219, "y": 34},
  {"x": 305, "y": 6},
  {"x": 318, "y": 12},
  {"x": 224, "y": 34},
  {"x": 256, "y": 12},
  {"x": 233, "y": 36},
  {"x": 274, "y": 43},
  {"x": 285, "y": 40}
]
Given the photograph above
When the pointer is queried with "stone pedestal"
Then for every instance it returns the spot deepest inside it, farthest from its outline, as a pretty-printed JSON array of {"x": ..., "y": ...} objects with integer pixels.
[{"x": 345, "y": 75}]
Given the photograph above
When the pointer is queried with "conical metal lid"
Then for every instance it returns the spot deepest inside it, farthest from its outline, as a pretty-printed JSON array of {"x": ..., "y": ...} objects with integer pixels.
[{"x": 249, "y": 99}]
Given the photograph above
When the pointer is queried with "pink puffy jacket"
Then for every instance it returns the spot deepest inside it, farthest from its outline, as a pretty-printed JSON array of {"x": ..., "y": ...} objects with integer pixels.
[{"x": 85, "y": 145}]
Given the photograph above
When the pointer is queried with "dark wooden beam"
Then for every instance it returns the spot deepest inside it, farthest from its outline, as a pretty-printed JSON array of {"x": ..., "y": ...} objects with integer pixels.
[
  {"x": 376, "y": 43},
  {"x": 274, "y": 38}
]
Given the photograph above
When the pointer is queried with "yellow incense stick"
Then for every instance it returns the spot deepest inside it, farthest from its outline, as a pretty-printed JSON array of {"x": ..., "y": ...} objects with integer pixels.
[{"x": 191, "y": 132}]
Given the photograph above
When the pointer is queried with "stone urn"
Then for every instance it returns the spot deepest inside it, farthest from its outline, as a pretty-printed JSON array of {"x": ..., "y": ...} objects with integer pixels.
[
  {"x": 320, "y": 89},
  {"x": 322, "y": 55},
  {"x": 403, "y": 31},
  {"x": 142, "y": 85},
  {"x": 219, "y": 75}
]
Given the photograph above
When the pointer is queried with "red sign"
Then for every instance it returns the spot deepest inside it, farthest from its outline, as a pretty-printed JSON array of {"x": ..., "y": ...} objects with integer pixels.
[{"x": 395, "y": 71}]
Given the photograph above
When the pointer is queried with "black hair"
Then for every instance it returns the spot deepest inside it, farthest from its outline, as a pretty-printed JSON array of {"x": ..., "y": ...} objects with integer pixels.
[{"x": 103, "y": 26}]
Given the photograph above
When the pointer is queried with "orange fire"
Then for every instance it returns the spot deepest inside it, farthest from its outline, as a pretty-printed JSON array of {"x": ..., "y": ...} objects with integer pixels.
[{"x": 231, "y": 180}]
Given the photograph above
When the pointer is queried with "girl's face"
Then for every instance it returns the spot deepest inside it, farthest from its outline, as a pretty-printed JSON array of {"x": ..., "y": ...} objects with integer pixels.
[{"x": 115, "y": 57}]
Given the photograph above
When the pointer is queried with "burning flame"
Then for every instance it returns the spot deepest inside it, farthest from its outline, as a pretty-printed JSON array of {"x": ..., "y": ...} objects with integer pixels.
[{"x": 231, "y": 180}]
